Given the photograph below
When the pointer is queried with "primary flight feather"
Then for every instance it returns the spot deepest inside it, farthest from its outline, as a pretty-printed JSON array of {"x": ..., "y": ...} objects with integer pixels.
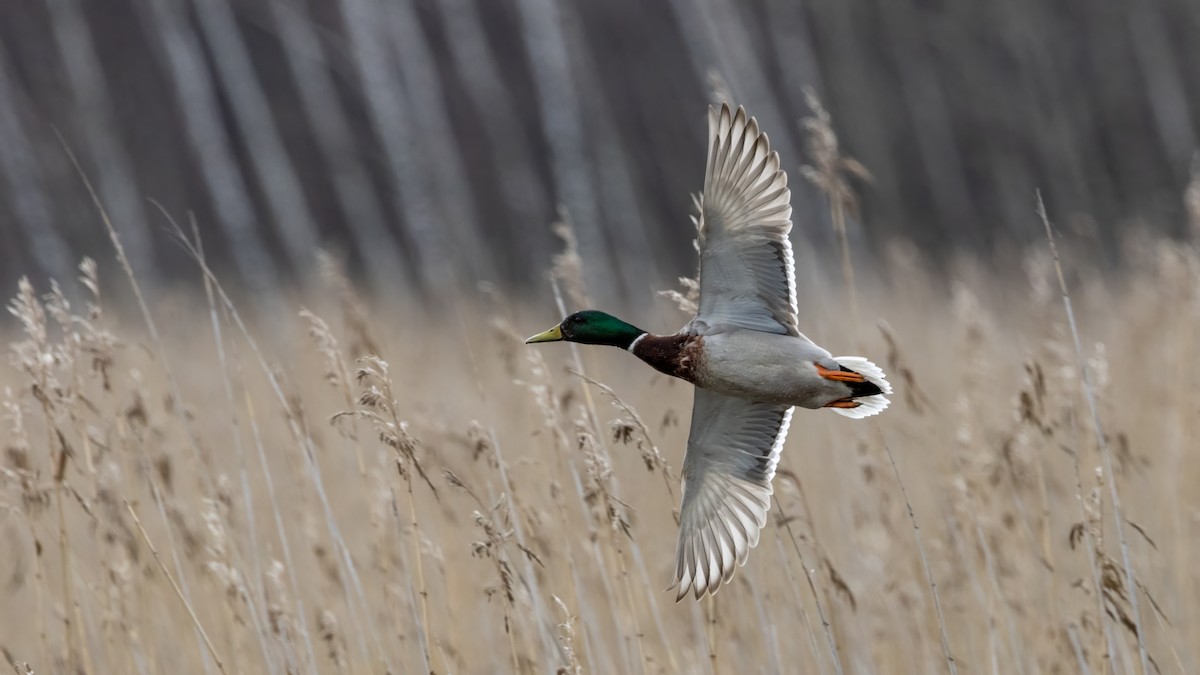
[{"x": 749, "y": 362}]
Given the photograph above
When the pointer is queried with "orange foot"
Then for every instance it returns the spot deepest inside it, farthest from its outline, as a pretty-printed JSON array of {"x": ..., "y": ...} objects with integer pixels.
[
  {"x": 839, "y": 375},
  {"x": 843, "y": 403}
]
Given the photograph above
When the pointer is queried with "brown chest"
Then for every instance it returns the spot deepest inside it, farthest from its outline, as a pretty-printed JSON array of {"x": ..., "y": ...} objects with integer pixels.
[{"x": 675, "y": 355}]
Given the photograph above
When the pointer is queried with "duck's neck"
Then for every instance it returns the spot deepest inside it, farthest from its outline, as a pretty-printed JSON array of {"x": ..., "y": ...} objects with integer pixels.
[{"x": 674, "y": 355}]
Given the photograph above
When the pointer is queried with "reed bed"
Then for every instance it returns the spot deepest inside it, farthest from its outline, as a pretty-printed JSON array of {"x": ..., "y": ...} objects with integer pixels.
[{"x": 358, "y": 486}]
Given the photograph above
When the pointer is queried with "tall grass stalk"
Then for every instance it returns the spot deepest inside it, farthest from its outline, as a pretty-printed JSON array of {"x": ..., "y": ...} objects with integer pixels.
[
  {"x": 179, "y": 416},
  {"x": 798, "y": 602},
  {"x": 178, "y": 591},
  {"x": 1101, "y": 440},
  {"x": 812, "y": 586},
  {"x": 73, "y": 633},
  {"x": 1091, "y": 546},
  {"x": 304, "y": 445},
  {"x": 831, "y": 174},
  {"x": 256, "y": 583},
  {"x": 545, "y": 632},
  {"x": 997, "y": 604},
  {"x": 160, "y": 348},
  {"x": 594, "y": 419},
  {"x": 277, "y": 514},
  {"x": 951, "y": 664},
  {"x": 710, "y": 625},
  {"x": 415, "y": 535},
  {"x": 565, "y": 454}
]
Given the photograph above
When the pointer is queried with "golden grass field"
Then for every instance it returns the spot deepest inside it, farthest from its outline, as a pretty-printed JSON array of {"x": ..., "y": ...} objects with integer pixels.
[
  {"x": 196, "y": 479},
  {"x": 484, "y": 509}
]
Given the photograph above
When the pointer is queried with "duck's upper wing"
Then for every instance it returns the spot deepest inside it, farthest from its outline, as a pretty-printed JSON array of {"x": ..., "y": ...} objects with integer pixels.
[
  {"x": 731, "y": 456},
  {"x": 747, "y": 273}
]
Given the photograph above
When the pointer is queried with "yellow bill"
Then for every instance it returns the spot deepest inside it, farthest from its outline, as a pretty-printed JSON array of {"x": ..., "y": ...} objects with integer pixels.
[{"x": 552, "y": 335}]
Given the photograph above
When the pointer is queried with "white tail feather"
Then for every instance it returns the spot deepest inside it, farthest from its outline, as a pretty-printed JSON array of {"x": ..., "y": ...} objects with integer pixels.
[{"x": 867, "y": 405}]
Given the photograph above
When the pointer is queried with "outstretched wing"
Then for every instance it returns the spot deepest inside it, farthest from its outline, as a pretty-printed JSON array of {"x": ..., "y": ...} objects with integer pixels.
[
  {"x": 731, "y": 456},
  {"x": 747, "y": 272}
]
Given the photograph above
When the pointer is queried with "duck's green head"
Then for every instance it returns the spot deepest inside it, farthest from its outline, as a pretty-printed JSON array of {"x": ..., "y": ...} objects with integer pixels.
[{"x": 591, "y": 327}]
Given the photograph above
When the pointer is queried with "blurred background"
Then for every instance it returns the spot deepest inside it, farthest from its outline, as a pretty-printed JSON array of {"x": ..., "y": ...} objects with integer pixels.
[
  {"x": 433, "y": 142},
  {"x": 431, "y": 146}
]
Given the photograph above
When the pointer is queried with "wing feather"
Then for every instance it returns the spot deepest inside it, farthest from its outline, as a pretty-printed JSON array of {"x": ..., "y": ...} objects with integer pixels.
[
  {"x": 747, "y": 270},
  {"x": 731, "y": 457}
]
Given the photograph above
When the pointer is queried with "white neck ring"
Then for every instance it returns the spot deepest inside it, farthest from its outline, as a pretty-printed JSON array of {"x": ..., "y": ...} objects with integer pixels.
[{"x": 636, "y": 340}]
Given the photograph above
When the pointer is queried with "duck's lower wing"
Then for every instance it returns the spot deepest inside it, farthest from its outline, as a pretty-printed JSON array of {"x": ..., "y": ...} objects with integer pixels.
[{"x": 731, "y": 456}]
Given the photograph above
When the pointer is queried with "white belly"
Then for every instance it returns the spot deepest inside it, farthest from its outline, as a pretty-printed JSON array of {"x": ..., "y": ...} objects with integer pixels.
[{"x": 770, "y": 368}]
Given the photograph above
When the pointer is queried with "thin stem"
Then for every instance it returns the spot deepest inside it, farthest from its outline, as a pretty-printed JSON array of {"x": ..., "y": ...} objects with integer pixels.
[
  {"x": 152, "y": 328},
  {"x": 421, "y": 589},
  {"x": 1090, "y": 546},
  {"x": 1073, "y": 636},
  {"x": 303, "y": 440},
  {"x": 710, "y": 609},
  {"x": 512, "y": 643},
  {"x": 937, "y": 602},
  {"x": 549, "y": 643},
  {"x": 255, "y": 595},
  {"x": 65, "y": 561},
  {"x": 837, "y": 211},
  {"x": 39, "y": 589},
  {"x": 1102, "y": 443},
  {"x": 794, "y": 585},
  {"x": 833, "y": 650},
  {"x": 594, "y": 418},
  {"x": 178, "y": 591}
]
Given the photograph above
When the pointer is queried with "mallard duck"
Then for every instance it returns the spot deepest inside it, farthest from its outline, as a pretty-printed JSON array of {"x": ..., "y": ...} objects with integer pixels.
[{"x": 743, "y": 352}]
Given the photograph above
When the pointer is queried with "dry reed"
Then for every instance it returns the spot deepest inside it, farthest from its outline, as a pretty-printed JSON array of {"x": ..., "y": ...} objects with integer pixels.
[
  {"x": 993, "y": 584},
  {"x": 303, "y": 561}
]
